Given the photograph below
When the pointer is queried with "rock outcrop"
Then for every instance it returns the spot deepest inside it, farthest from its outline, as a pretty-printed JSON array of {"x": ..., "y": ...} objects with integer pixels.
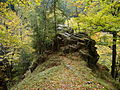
[
  {"x": 80, "y": 42},
  {"x": 70, "y": 43}
]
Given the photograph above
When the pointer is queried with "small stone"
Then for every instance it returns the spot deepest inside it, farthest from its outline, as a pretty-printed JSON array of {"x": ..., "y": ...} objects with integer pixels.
[{"x": 89, "y": 82}]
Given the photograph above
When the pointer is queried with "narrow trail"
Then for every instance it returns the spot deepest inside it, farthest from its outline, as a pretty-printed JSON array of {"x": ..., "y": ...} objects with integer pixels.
[{"x": 71, "y": 74}]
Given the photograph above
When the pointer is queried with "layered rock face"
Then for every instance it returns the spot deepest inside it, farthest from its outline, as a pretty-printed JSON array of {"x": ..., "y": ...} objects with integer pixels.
[
  {"x": 80, "y": 42},
  {"x": 70, "y": 43}
]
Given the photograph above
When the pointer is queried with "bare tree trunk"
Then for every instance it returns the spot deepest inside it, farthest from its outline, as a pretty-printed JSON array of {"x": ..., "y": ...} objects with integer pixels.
[
  {"x": 114, "y": 54},
  {"x": 56, "y": 44}
]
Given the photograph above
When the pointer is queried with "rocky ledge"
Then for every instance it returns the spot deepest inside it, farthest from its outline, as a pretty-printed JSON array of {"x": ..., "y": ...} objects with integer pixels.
[{"x": 80, "y": 42}]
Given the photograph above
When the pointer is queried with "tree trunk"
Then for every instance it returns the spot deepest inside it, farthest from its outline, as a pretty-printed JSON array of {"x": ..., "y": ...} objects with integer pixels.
[
  {"x": 55, "y": 20},
  {"x": 114, "y": 54},
  {"x": 77, "y": 16},
  {"x": 56, "y": 48}
]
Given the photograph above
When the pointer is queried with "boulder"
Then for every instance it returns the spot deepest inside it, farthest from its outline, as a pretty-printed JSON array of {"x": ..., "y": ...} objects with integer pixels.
[{"x": 80, "y": 42}]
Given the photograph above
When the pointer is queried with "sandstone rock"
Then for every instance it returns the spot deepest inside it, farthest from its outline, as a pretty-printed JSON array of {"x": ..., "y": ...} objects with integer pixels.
[{"x": 80, "y": 42}]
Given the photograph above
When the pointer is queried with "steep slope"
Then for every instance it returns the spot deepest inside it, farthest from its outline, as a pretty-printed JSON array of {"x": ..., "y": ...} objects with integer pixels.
[
  {"x": 63, "y": 73},
  {"x": 72, "y": 67}
]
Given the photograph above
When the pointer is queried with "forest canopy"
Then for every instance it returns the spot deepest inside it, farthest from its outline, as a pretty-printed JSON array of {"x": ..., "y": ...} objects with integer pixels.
[{"x": 29, "y": 27}]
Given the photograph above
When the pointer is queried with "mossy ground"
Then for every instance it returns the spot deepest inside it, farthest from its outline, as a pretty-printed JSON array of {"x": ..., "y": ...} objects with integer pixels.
[{"x": 63, "y": 72}]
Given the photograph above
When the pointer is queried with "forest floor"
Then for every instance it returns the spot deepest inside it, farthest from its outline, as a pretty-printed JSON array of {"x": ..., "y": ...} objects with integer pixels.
[{"x": 63, "y": 72}]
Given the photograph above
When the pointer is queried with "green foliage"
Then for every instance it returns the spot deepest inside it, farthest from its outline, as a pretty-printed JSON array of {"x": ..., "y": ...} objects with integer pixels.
[
  {"x": 34, "y": 21},
  {"x": 43, "y": 25},
  {"x": 15, "y": 35},
  {"x": 41, "y": 32},
  {"x": 99, "y": 17}
]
